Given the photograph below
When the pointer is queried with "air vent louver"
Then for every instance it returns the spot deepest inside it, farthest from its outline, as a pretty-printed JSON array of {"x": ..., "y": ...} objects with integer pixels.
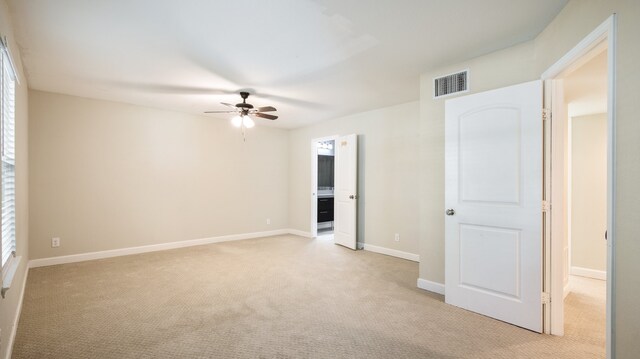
[{"x": 450, "y": 84}]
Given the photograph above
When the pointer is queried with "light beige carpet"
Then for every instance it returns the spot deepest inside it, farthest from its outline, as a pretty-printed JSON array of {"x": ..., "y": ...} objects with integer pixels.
[{"x": 277, "y": 297}]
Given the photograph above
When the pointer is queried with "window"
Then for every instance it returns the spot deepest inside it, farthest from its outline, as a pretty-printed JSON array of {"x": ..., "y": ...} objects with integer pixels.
[{"x": 7, "y": 151}]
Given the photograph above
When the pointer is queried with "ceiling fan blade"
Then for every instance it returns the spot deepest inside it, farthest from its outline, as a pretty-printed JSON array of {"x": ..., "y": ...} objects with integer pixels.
[
  {"x": 264, "y": 115},
  {"x": 266, "y": 109},
  {"x": 228, "y": 104},
  {"x": 220, "y": 111}
]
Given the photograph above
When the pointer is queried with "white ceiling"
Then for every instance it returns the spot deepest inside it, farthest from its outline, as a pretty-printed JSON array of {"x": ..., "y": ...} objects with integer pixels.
[{"x": 312, "y": 59}]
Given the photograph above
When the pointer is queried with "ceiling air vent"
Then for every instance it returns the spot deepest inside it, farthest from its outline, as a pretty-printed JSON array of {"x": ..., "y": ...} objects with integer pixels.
[{"x": 450, "y": 84}]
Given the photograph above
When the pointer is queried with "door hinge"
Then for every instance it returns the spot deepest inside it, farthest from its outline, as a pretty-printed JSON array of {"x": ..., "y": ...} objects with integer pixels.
[
  {"x": 546, "y": 114},
  {"x": 546, "y": 298},
  {"x": 546, "y": 206}
]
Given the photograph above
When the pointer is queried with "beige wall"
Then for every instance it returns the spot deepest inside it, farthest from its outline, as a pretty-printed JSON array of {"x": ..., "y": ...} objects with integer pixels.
[
  {"x": 9, "y": 305},
  {"x": 387, "y": 174},
  {"x": 522, "y": 63},
  {"x": 108, "y": 175},
  {"x": 589, "y": 191}
]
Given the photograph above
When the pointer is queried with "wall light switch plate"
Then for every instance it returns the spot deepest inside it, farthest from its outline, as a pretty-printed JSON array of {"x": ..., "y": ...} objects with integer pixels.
[{"x": 55, "y": 242}]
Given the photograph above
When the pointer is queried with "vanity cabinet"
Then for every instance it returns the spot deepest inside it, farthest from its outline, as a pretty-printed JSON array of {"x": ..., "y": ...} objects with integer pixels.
[{"x": 325, "y": 209}]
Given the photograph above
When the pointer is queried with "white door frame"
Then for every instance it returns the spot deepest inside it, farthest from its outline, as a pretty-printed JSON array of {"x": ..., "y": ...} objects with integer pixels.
[
  {"x": 314, "y": 181},
  {"x": 605, "y": 32}
]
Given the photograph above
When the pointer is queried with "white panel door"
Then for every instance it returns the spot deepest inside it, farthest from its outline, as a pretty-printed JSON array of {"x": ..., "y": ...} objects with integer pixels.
[
  {"x": 493, "y": 198},
  {"x": 345, "y": 194}
]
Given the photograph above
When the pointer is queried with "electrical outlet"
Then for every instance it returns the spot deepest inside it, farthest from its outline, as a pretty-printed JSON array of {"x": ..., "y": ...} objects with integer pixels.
[
  {"x": 397, "y": 237},
  {"x": 268, "y": 220},
  {"x": 55, "y": 242}
]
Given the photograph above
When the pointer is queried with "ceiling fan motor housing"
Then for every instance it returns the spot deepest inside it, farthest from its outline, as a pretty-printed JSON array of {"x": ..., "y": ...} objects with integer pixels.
[{"x": 244, "y": 103}]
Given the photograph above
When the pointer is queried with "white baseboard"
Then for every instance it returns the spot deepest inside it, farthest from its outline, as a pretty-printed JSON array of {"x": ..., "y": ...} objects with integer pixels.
[
  {"x": 392, "y": 252},
  {"x": 300, "y": 233},
  {"x": 431, "y": 286},
  {"x": 589, "y": 273},
  {"x": 16, "y": 319},
  {"x": 41, "y": 262}
]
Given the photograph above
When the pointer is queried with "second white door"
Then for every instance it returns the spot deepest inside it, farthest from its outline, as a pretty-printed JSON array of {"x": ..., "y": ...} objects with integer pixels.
[{"x": 345, "y": 194}]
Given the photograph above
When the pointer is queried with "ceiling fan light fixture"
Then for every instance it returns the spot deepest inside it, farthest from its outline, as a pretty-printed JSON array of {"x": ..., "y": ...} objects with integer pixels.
[
  {"x": 247, "y": 122},
  {"x": 236, "y": 121}
]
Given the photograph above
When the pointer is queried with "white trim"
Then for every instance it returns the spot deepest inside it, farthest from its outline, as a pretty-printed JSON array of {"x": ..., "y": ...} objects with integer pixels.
[
  {"x": 431, "y": 286},
  {"x": 605, "y": 31},
  {"x": 391, "y": 252},
  {"x": 14, "y": 328},
  {"x": 589, "y": 273},
  {"x": 550, "y": 87},
  {"x": 300, "y": 233},
  {"x": 611, "y": 183},
  {"x": 41, "y": 262}
]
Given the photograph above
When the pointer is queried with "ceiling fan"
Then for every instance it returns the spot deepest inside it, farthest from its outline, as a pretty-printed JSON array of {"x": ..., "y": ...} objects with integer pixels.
[{"x": 244, "y": 110}]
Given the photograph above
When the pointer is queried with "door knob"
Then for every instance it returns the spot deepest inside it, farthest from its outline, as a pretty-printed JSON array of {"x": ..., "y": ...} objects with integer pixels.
[
  {"x": 450, "y": 212},
  {"x": 352, "y": 197}
]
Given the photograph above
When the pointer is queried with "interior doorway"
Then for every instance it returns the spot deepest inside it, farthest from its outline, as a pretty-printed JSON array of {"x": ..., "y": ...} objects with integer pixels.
[
  {"x": 334, "y": 189},
  {"x": 585, "y": 96},
  {"x": 579, "y": 173},
  {"x": 326, "y": 186},
  {"x": 323, "y": 152}
]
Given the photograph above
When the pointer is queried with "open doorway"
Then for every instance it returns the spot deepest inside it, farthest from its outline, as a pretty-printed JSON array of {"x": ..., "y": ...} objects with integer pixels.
[
  {"x": 326, "y": 186},
  {"x": 585, "y": 96},
  {"x": 334, "y": 189},
  {"x": 579, "y": 91},
  {"x": 323, "y": 151}
]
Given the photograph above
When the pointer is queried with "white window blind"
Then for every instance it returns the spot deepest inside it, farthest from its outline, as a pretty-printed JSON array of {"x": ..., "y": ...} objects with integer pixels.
[{"x": 7, "y": 170}]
